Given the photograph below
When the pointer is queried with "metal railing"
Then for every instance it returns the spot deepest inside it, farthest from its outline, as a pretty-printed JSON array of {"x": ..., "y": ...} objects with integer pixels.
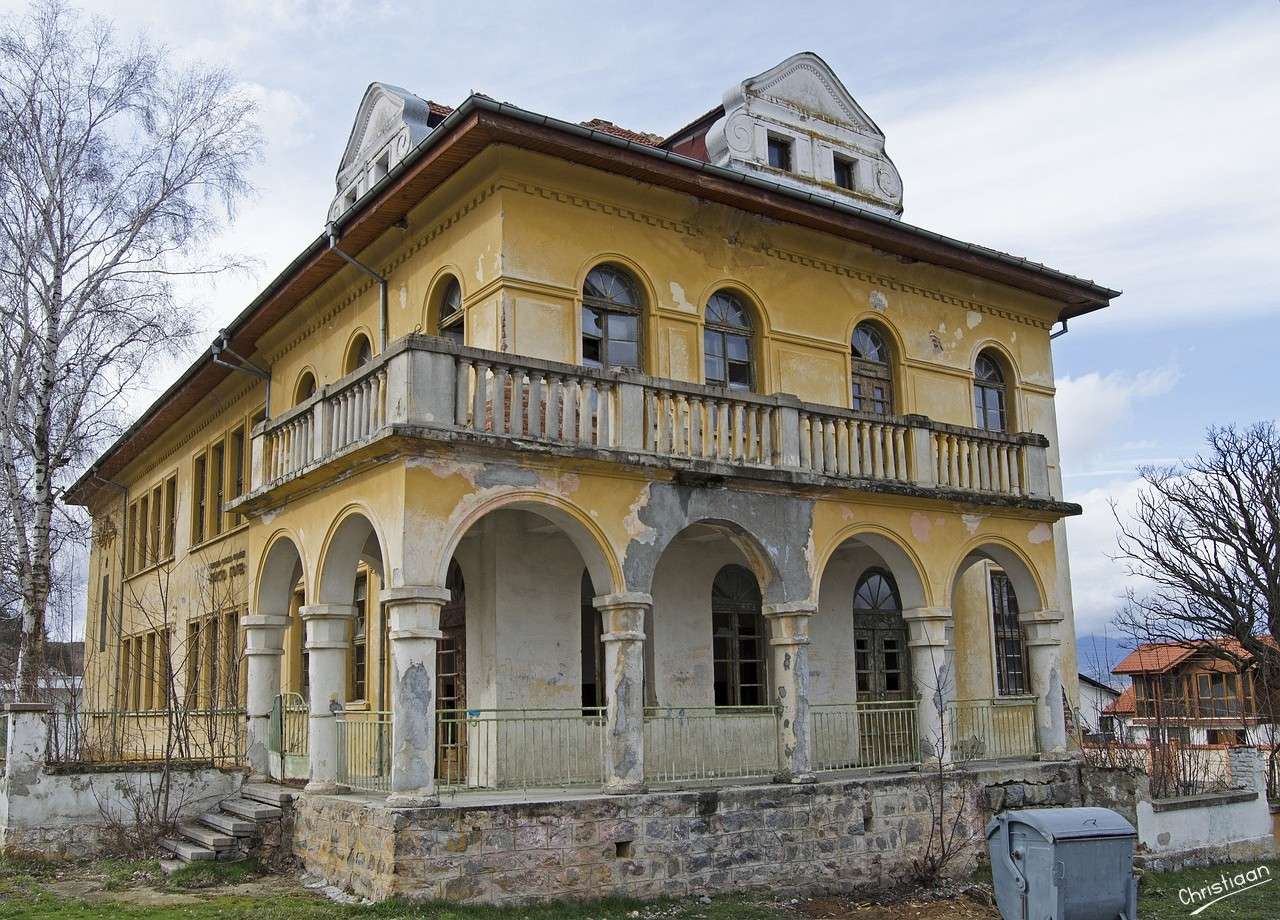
[
  {"x": 710, "y": 742},
  {"x": 364, "y": 751},
  {"x": 991, "y": 729},
  {"x": 519, "y": 748},
  {"x": 103, "y": 736},
  {"x": 431, "y": 383},
  {"x": 867, "y": 734}
]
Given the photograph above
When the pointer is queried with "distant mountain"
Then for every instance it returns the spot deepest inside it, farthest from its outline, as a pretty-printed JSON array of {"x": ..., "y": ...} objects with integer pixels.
[{"x": 1097, "y": 654}]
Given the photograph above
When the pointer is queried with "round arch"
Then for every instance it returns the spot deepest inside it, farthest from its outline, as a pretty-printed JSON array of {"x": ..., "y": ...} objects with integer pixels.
[
  {"x": 1005, "y": 358},
  {"x": 279, "y": 570},
  {"x": 352, "y": 538},
  {"x": 897, "y": 354},
  {"x": 759, "y": 561},
  {"x": 626, "y": 262},
  {"x": 349, "y": 349},
  {"x": 300, "y": 381},
  {"x": 1022, "y": 574},
  {"x": 435, "y": 292},
  {"x": 577, "y": 525},
  {"x": 901, "y": 561}
]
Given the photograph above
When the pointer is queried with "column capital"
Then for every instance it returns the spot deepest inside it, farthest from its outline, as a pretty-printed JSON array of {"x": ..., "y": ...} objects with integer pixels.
[
  {"x": 327, "y": 611},
  {"x": 1047, "y": 615},
  {"x": 415, "y": 594},
  {"x": 790, "y": 609},
  {"x": 1040, "y": 627},
  {"x": 927, "y": 627},
  {"x": 264, "y": 621},
  {"x": 926, "y": 613},
  {"x": 622, "y": 599}
]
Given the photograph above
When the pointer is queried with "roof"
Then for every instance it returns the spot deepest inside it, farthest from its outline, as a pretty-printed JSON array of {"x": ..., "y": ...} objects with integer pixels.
[
  {"x": 608, "y": 127},
  {"x": 1124, "y": 705},
  {"x": 480, "y": 122},
  {"x": 1160, "y": 657},
  {"x": 1107, "y": 688}
]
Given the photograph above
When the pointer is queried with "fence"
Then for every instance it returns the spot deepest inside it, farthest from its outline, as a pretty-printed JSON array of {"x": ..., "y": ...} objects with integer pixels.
[
  {"x": 698, "y": 743},
  {"x": 106, "y": 736},
  {"x": 520, "y": 748},
  {"x": 364, "y": 751},
  {"x": 992, "y": 729},
  {"x": 871, "y": 734}
]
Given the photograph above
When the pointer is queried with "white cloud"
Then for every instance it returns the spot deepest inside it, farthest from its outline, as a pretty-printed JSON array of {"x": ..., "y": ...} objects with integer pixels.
[
  {"x": 1151, "y": 169},
  {"x": 1097, "y": 582},
  {"x": 1094, "y": 409}
]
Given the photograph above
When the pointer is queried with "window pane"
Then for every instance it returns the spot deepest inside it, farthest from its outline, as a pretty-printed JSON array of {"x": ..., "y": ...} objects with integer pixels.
[
  {"x": 591, "y": 323},
  {"x": 715, "y": 369},
  {"x": 624, "y": 354},
  {"x": 713, "y": 343},
  {"x": 739, "y": 375},
  {"x": 624, "y": 326},
  {"x": 738, "y": 347}
]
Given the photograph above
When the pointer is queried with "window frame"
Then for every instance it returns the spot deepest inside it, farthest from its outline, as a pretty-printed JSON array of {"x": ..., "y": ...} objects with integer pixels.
[
  {"x": 849, "y": 165},
  {"x": 869, "y": 372},
  {"x": 786, "y": 146},
  {"x": 1005, "y": 632},
  {"x": 353, "y": 360},
  {"x": 727, "y": 647},
  {"x": 986, "y": 389},
  {"x": 453, "y": 324},
  {"x": 358, "y": 646},
  {"x": 718, "y": 330},
  {"x": 603, "y": 308}
]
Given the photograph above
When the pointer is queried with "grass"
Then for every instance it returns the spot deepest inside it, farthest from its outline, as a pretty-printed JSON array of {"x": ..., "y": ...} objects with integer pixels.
[{"x": 1158, "y": 898}]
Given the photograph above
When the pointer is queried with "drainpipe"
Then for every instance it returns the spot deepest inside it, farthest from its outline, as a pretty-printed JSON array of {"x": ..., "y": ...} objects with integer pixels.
[
  {"x": 124, "y": 544},
  {"x": 1062, "y": 331},
  {"x": 244, "y": 365},
  {"x": 332, "y": 230}
]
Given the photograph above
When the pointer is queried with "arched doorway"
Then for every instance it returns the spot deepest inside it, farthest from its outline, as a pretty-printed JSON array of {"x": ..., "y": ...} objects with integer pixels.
[
  {"x": 882, "y": 667},
  {"x": 740, "y": 639}
]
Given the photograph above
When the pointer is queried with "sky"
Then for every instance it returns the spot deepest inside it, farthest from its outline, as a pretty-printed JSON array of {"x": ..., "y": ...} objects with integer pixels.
[{"x": 1132, "y": 143}]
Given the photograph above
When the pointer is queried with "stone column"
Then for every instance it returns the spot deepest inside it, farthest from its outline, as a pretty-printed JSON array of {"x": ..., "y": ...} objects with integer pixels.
[
  {"x": 789, "y": 680},
  {"x": 328, "y": 645},
  {"x": 622, "y": 618},
  {"x": 263, "y": 649},
  {"x": 27, "y": 743},
  {"x": 1044, "y": 665},
  {"x": 929, "y": 641},
  {"x": 415, "y": 630}
]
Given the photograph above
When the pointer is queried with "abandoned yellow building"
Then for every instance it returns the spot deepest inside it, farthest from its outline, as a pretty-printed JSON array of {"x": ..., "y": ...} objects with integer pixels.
[{"x": 570, "y": 460}]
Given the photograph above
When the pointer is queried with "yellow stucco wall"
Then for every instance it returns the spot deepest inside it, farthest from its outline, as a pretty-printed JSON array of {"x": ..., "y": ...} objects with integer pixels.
[{"x": 520, "y": 231}]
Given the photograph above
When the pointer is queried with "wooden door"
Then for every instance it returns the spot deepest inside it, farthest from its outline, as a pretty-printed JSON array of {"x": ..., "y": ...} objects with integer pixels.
[{"x": 451, "y": 684}]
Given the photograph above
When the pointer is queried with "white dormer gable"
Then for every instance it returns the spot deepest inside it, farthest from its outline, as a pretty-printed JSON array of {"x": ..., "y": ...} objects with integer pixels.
[
  {"x": 820, "y": 138},
  {"x": 389, "y": 123}
]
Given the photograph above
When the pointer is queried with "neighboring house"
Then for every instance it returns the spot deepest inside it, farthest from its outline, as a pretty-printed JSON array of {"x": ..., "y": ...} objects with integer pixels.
[
  {"x": 615, "y": 461},
  {"x": 1096, "y": 699},
  {"x": 1190, "y": 693}
]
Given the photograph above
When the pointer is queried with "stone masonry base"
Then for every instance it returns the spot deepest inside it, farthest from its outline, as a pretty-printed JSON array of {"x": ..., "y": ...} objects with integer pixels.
[{"x": 836, "y": 835}]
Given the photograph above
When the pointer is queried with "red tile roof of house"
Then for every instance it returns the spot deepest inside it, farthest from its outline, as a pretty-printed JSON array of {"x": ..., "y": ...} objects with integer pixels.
[
  {"x": 1159, "y": 657},
  {"x": 608, "y": 127},
  {"x": 1125, "y": 705}
]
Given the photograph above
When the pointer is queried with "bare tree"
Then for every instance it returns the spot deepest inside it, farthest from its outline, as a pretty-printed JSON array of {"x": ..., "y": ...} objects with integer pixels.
[
  {"x": 116, "y": 169},
  {"x": 1205, "y": 537}
]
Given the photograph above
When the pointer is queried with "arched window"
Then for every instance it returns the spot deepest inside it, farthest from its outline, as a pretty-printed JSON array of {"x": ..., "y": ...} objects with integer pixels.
[
  {"x": 872, "y": 374},
  {"x": 739, "y": 639},
  {"x": 881, "y": 666},
  {"x": 359, "y": 354},
  {"x": 611, "y": 308},
  {"x": 1011, "y": 647},
  {"x": 877, "y": 592},
  {"x": 306, "y": 387},
  {"x": 593, "y": 682},
  {"x": 726, "y": 342},
  {"x": 990, "y": 394},
  {"x": 450, "y": 322}
]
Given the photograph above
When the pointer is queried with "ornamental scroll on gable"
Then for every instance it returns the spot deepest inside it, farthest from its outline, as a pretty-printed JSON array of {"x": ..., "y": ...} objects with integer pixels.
[
  {"x": 389, "y": 123},
  {"x": 822, "y": 139}
]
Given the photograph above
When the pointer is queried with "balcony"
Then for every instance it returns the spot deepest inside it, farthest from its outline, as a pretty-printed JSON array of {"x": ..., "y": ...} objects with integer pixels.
[{"x": 429, "y": 388}]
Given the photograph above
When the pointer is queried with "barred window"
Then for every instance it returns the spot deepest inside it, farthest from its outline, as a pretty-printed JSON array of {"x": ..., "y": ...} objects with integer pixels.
[{"x": 1011, "y": 651}]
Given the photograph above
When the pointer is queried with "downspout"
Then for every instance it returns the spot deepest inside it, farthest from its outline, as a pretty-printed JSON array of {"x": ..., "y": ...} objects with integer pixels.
[
  {"x": 1062, "y": 331},
  {"x": 124, "y": 544},
  {"x": 244, "y": 365},
  {"x": 332, "y": 230}
]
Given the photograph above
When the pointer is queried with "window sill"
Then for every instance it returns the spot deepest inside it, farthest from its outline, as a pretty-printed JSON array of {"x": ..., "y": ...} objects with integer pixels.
[
  {"x": 210, "y": 541},
  {"x": 151, "y": 567}
]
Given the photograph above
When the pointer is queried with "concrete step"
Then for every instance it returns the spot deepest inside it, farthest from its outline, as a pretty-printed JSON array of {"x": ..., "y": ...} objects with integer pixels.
[
  {"x": 269, "y": 793},
  {"x": 207, "y": 837},
  {"x": 187, "y": 851},
  {"x": 229, "y": 824},
  {"x": 248, "y": 808}
]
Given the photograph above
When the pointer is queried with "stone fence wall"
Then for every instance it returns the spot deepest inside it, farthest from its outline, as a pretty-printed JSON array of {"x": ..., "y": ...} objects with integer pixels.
[
  {"x": 71, "y": 810},
  {"x": 1230, "y": 825},
  {"x": 832, "y": 836}
]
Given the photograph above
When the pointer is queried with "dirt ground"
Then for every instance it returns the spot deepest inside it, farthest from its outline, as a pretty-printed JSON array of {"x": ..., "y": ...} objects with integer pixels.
[{"x": 957, "y": 908}]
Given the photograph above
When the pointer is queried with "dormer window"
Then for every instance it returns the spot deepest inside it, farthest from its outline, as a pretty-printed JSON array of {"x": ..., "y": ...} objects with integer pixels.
[
  {"x": 845, "y": 172},
  {"x": 780, "y": 153}
]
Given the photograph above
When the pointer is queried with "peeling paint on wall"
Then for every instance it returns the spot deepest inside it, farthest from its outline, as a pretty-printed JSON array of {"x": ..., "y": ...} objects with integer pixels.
[
  {"x": 681, "y": 302},
  {"x": 1041, "y": 533},
  {"x": 972, "y": 522},
  {"x": 972, "y": 318},
  {"x": 921, "y": 526}
]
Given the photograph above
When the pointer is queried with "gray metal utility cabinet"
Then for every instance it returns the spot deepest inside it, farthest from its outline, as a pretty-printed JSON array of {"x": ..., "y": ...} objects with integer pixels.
[{"x": 1063, "y": 864}]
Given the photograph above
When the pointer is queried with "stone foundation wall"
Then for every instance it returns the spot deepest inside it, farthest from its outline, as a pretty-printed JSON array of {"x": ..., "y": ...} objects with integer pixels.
[{"x": 831, "y": 836}]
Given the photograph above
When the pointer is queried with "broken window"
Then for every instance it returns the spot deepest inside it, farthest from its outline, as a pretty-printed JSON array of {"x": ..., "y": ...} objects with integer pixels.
[
  {"x": 451, "y": 319},
  {"x": 726, "y": 342},
  {"x": 872, "y": 373},
  {"x": 611, "y": 308}
]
